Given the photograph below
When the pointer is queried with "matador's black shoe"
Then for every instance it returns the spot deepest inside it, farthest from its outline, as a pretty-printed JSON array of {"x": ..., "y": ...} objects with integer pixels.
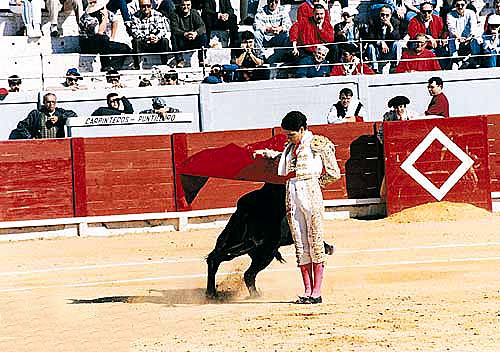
[{"x": 315, "y": 300}]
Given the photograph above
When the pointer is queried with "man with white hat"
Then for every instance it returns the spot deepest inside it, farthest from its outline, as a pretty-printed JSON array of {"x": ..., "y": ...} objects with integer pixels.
[{"x": 491, "y": 42}]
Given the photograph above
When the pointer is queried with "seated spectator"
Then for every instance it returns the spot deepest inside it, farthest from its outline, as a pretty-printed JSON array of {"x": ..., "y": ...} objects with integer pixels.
[
  {"x": 248, "y": 57},
  {"x": 314, "y": 66},
  {"x": 346, "y": 31},
  {"x": 414, "y": 8},
  {"x": 145, "y": 82},
  {"x": 314, "y": 30},
  {"x": 113, "y": 79},
  {"x": 219, "y": 15},
  {"x": 14, "y": 83},
  {"x": 46, "y": 122},
  {"x": 31, "y": 14},
  {"x": 113, "y": 100},
  {"x": 397, "y": 7},
  {"x": 54, "y": 6},
  {"x": 495, "y": 10},
  {"x": 271, "y": 26},
  {"x": 306, "y": 10},
  {"x": 439, "y": 105},
  {"x": 384, "y": 34},
  {"x": 462, "y": 25},
  {"x": 432, "y": 26},
  {"x": 188, "y": 32},
  {"x": 70, "y": 81},
  {"x": 491, "y": 42},
  {"x": 94, "y": 38},
  {"x": 171, "y": 78},
  {"x": 149, "y": 30},
  {"x": 415, "y": 59},
  {"x": 215, "y": 75},
  {"x": 347, "y": 109},
  {"x": 160, "y": 107},
  {"x": 350, "y": 63}
]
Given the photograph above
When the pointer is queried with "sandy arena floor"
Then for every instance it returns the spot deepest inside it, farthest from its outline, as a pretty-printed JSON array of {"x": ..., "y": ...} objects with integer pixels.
[{"x": 394, "y": 285}]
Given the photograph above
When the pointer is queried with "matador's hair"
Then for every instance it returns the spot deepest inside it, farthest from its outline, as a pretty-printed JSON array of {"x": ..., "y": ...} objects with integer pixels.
[{"x": 293, "y": 121}]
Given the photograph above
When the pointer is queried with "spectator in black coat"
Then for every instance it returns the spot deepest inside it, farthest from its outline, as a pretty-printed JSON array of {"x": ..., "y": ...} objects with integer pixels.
[
  {"x": 219, "y": 15},
  {"x": 46, "y": 122},
  {"x": 113, "y": 108}
]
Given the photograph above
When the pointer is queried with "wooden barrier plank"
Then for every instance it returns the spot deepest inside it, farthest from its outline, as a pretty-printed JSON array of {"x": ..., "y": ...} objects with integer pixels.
[
  {"x": 126, "y": 175},
  {"x": 437, "y": 162},
  {"x": 35, "y": 179}
]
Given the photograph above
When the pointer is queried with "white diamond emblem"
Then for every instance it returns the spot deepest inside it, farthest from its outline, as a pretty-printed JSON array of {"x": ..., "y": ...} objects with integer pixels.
[{"x": 438, "y": 193}]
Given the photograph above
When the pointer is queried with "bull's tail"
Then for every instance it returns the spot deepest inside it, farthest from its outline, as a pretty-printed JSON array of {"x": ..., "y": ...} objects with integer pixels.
[{"x": 279, "y": 257}]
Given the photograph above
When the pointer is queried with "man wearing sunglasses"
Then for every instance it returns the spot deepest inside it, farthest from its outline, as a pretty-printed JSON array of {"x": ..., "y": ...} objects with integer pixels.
[
  {"x": 114, "y": 101},
  {"x": 46, "y": 122},
  {"x": 149, "y": 30},
  {"x": 384, "y": 33},
  {"x": 462, "y": 25},
  {"x": 415, "y": 59}
]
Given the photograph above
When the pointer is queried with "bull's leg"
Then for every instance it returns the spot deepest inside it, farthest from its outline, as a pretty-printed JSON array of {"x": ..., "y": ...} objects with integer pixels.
[
  {"x": 260, "y": 261},
  {"x": 213, "y": 263}
]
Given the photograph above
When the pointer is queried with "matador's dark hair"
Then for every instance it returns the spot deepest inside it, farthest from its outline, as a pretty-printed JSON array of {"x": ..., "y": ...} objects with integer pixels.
[{"x": 293, "y": 121}]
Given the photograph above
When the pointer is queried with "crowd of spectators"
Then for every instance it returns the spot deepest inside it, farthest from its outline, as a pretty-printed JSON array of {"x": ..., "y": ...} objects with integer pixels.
[{"x": 396, "y": 36}]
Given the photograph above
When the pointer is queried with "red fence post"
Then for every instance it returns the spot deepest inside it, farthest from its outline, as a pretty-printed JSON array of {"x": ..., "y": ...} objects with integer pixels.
[{"x": 79, "y": 177}]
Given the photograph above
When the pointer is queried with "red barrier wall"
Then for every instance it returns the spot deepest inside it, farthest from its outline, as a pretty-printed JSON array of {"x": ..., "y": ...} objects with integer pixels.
[
  {"x": 357, "y": 153},
  {"x": 35, "y": 180},
  {"x": 437, "y": 161},
  {"x": 494, "y": 151},
  {"x": 210, "y": 197},
  {"x": 123, "y": 175}
]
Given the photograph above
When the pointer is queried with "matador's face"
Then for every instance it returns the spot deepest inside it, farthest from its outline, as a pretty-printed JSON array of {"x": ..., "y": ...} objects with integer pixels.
[{"x": 294, "y": 136}]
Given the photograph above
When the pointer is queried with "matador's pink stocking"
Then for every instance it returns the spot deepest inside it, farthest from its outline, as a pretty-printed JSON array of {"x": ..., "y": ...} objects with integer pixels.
[
  {"x": 306, "y": 271},
  {"x": 318, "y": 279}
]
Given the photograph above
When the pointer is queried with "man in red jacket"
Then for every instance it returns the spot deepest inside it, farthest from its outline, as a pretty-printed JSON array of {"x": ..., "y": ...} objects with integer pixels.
[
  {"x": 439, "y": 103},
  {"x": 414, "y": 59},
  {"x": 316, "y": 30}
]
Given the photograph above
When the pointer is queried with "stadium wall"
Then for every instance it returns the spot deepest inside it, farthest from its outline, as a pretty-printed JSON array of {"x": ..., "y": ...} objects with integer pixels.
[{"x": 112, "y": 185}]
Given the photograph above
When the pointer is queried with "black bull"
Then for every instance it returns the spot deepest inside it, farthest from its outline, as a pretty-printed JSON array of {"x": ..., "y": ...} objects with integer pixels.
[{"x": 258, "y": 228}]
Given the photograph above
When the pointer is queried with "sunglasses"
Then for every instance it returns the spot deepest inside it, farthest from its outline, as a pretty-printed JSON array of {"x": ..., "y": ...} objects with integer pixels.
[
  {"x": 114, "y": 100},
  {"x": 144, "y": 6},
  {"x": 346, "y": 15},
  {"x": 71, "y": 79},
  {"x": 385, "y": 15},
  {"x": 460, "y": 4},
  {"x": 426, "y": 11}
]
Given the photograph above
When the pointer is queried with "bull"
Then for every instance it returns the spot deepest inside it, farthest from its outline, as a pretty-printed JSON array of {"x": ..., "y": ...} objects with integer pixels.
[{"x": 258, "y": 228}]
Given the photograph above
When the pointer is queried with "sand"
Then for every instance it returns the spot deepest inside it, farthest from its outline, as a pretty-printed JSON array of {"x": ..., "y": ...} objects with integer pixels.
[{"x": 398, "y": 284}]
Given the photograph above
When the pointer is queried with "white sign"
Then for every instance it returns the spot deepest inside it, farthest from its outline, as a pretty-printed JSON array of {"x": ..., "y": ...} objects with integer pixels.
[
  {"x": 127, "y": 119},
  {"x": 438, "y": 193}
]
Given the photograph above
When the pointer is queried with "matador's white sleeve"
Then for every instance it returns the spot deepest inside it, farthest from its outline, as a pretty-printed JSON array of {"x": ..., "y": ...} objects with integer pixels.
[{"x": 326, "y": 149}]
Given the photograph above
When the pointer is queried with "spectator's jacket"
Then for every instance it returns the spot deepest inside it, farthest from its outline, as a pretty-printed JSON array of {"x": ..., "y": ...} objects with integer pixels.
[
  {"x": 489, "y": 45},
  {"x": 356, "y": 33},
  {"x": 351, "y": 69},
  {"x": 190, "y": 23},
  {"x": 106, "y": 110},
  {"x": 438, "y": 106},
  {"x": 143, "y": 26},
  {"x": 418, "y": 65},
  {"x": 266, "y": 18},
  {"x": 461, "y": 26},
  {"x": 338, "y": 113},
  {"x": 306, "y": 10},
  {"x": 375, "y": 31},
  {"x": 208, "y": 8},
  {"x": 436, "y": 27},
  {"x": 308, "y": 33},
  {"x": 30, "y": 127},
  {"x": 312, "y": 69}
]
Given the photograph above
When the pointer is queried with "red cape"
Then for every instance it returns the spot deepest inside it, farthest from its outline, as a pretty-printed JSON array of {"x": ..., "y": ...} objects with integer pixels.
[{"x": 230, "y": 162}]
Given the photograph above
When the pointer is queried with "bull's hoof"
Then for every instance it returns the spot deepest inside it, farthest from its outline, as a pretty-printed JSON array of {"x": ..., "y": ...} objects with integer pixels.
[
  {"x": 329, "y": 249},
  {"x": 211, "y": 295},
  {"x": 255, "y": 294}
]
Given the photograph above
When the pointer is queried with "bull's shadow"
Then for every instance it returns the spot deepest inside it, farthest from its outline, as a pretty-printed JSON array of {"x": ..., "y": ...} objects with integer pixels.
[{"x": 195, "y": 296}]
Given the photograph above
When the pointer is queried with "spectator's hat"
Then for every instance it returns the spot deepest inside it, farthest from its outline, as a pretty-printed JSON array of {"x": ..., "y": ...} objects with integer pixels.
[
  {"x": 494, "y": 19},
  {"x": 351, "y": 11},
  {"x": 398, "y": 100},
  {"x": 159, "y": 103},
  {"x": 3, "y": 93},
  {"x": 99, "y": 5},
  {"x": 74, "y": 72},
  {"x": 350, "y": 48}
]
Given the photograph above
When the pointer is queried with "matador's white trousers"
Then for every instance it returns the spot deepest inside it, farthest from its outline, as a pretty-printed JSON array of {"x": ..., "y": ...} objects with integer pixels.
[{"x": 304, "y": 210}]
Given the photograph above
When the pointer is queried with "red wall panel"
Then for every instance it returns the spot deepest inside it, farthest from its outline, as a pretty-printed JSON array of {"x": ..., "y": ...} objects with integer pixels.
[
  {"x": 217, "y": 193},
  {"x": 35, "y": 180},
  {"x": 494, "y": 151},
  {"x": 123, "y": 175},
  {"x": 357, "y": 154},
  {"x": 437, "y": 163}
]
